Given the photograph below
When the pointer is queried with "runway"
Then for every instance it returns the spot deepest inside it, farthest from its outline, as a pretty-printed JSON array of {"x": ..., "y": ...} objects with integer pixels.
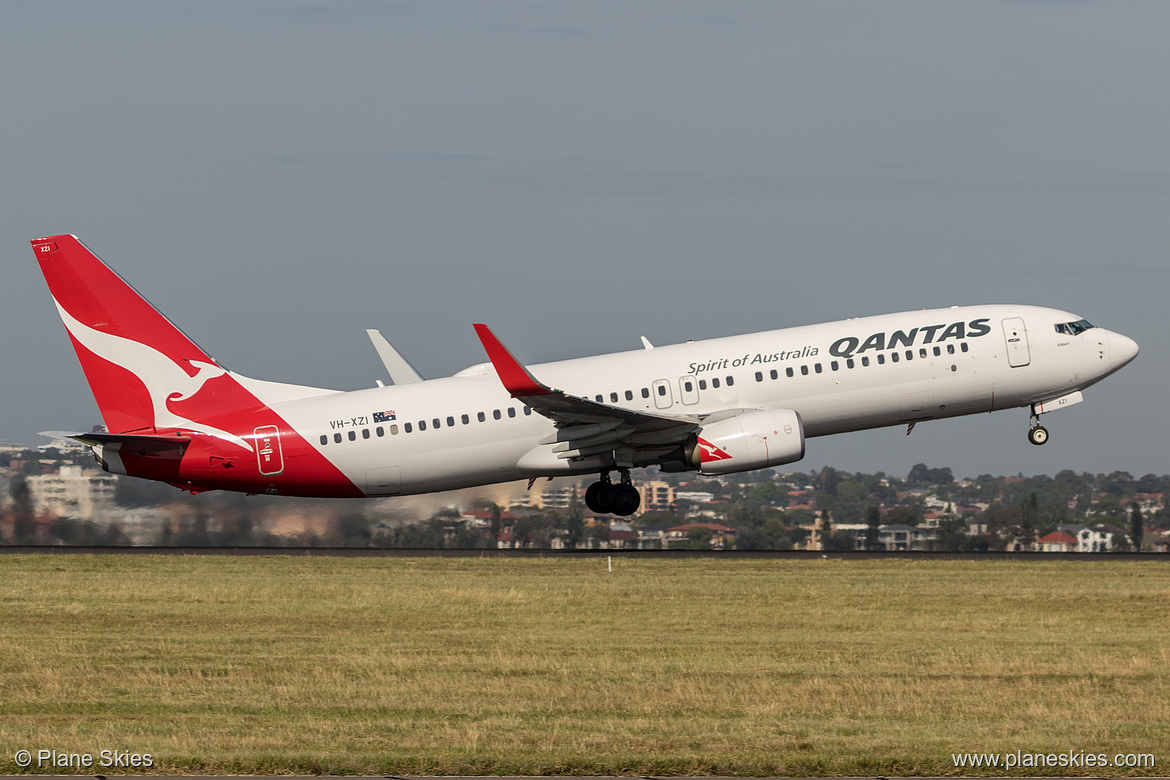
[{"x": 514, "y": 777}]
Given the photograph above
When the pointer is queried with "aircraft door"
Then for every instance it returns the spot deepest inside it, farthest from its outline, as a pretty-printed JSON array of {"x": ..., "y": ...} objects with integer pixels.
[
  {"x": 688, "y": 389},
  {"x": 268, "y": 452},
  {"x": 1017, "y": 342},
  {"x": 662, "y": 395}
]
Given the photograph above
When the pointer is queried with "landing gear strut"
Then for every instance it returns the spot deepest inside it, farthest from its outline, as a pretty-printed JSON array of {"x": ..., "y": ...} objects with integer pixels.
[
  {"x": 604, "y": 497},
  {"x": 1037, "y": 433}
]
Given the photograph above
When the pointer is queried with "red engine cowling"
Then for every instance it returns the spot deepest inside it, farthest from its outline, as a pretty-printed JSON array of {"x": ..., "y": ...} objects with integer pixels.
[{"x": 753, "y": 439}]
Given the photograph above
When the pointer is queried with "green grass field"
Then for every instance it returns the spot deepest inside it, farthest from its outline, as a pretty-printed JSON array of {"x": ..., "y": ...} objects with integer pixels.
[{"x": 555, "y": 666}]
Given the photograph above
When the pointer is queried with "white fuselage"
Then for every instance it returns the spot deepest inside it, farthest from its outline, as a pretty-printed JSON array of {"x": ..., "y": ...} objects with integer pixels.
[{"x": 842, "y": 376}]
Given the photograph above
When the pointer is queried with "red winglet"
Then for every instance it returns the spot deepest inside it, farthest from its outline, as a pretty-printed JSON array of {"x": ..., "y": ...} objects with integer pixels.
[{"x": 515, "y": 376}]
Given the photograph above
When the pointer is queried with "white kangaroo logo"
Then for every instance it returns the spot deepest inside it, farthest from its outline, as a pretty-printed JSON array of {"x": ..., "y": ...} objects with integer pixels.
[{"x": 165, "y": 380}]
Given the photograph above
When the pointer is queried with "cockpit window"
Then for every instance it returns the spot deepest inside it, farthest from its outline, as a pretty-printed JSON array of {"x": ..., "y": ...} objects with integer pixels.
[{"x": 1073, "y": 328}]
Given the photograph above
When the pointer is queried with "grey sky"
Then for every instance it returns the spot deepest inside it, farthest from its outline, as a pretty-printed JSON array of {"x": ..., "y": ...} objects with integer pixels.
[{"x": 278, "y": 176}]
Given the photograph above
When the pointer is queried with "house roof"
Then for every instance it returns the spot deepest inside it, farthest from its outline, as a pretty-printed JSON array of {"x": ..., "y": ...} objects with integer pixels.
[
  {"x": 713, "y": 526},
  {"x": 1058, "y": 537}
]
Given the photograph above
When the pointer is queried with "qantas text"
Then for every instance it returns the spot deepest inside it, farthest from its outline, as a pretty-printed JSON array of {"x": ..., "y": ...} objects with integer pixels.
[{"x": 852, "y": 345}]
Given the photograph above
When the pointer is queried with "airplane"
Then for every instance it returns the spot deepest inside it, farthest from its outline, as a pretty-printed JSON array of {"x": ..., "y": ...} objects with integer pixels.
[{"x": 173, "y": 413}]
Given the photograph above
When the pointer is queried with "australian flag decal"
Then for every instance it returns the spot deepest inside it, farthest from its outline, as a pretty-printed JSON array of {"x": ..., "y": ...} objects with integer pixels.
[{"x": 381, "y": 417}]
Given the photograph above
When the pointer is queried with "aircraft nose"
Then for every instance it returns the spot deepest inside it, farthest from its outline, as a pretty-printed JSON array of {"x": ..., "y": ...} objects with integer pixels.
[{"x": 1122, "y": 349}]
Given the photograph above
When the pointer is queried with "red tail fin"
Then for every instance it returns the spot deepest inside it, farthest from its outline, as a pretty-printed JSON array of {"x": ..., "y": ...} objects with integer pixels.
[
  {"x": 154, "y": 383},
  {"x": 135, "y": 359}
]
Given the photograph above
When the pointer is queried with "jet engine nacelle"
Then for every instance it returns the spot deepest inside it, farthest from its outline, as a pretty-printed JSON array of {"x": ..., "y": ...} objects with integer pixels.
[{"x": 752, "y": 439}]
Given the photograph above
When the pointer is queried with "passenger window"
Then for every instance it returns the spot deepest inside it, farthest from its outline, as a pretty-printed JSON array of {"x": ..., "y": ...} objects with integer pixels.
[
  {"x": 817, "y": 368},
  {"x": 715, "y": 382},
  {"x": 730, "y": 381},
  {"x": 937, "y": 351},
  {"x": 662, "y": 390},
  {"x": 881, "y": 360},
  {"x": 893, "y": 357},
  {"x": 909, "y": 354},
  {"x": 422, "y": 425},
  {"x": 773, "y": 374},
  {"x": 495, "y": 414},
  {"x": 600, "y": 399},
  {"x": 365, "y": 433},
  {"x": 963, "y": 346},
  {"x": 479, "y": 416},
  {"x": 865, "y": 360},
  {"x": 834, "y": 365},
  {"x": 511, "y": 411},
  {"x": 788, "y": 371},
  {"x": 950, "y": 349},
  {"x": 407, "y": 428},
  {"x": 629, "y": 395},
  {"x": 688, "y": 386},
  {"x": 702, "y": 384},
  {"x": 527, "y": 411},
  {"x": 380, "y": 431},
  {"x": 337, "y": 438},
  {"x": 353, "y": 435},
  {"x": 435, "y": 424},
  {"x": 613, "y": 398},
  {"x": 324, "y": 439},
  {"x": 759, "y": 376},
  {"x": 450, "y": 422},
  {"x": 804, "y": 370},
  {"x": 922, "y": 352},
  {"x": 465, "y": 419},
  {"x": 394, "y": 430},
  {"x": 849, "y": 363},
  {"x": 646, "y": 390}
]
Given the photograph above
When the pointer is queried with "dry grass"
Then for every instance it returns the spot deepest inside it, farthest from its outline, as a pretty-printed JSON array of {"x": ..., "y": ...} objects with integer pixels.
[{"x": 554, "y": 666}]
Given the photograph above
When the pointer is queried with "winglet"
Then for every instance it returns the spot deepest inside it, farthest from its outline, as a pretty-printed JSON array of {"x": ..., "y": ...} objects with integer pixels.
[
  {"x": 399, "y": 368},
  {"x": 515, "y": 376}
]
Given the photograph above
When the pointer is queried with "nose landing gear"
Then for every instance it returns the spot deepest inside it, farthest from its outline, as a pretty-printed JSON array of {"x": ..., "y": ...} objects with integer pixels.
[{"x": 604, "y": 497}]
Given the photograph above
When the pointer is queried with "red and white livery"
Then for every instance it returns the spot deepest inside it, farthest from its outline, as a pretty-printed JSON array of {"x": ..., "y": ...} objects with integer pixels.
[{"x": 172, "y": 413}]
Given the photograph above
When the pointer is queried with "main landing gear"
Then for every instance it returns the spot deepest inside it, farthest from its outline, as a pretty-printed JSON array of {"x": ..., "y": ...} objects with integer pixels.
[
  {"x": 604, "y": 497},
  {"x": 1037, "y": 433}
]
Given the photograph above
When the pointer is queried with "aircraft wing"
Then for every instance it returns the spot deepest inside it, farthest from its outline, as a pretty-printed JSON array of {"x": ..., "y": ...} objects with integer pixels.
[{"x": 586, "y": 427}]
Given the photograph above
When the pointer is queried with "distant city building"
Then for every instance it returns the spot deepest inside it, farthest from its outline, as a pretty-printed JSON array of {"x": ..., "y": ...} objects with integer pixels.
[
  {"x": 64, "y": 446},
  {"x": 8, "y": 448},
  {"x": 1057, "y": 541},
  {"x": 1100, "y": 538},
  {"x": 657, "y": 496},
  {"x": 900, "y": 537},
  {"x": 559, "y": 498},
  {"x": 722, "y": 536},
  {"x": 83, "y": 494}
]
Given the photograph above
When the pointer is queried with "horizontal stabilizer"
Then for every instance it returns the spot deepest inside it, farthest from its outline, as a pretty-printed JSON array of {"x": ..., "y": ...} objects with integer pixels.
[{"x": 136, "y": 439}]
